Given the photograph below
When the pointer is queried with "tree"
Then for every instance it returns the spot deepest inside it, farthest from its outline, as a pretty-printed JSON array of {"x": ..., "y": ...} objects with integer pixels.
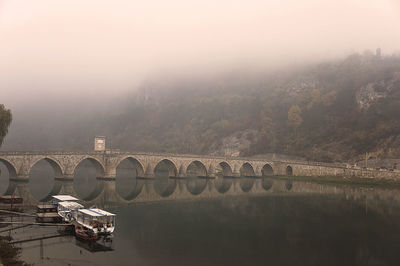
[
  {"x": 5, "y": 121},
  {"x": 294, "y": 117}
]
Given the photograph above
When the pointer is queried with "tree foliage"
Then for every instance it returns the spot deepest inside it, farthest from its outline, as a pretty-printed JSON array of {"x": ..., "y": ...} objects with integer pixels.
[{"x": 5, "y": 121}]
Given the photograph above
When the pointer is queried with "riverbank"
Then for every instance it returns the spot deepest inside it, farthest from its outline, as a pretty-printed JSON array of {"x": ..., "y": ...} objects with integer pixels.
[
  {"x": 354, "y": 181},
  {"x": 9, "y": 255}
]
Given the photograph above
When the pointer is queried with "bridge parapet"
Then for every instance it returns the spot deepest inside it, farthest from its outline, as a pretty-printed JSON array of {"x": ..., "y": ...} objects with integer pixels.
[{"x": 64, "y": 163}]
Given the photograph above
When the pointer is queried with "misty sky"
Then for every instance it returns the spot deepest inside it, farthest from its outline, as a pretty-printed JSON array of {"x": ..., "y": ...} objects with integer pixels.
[{"x": 93, "y": 48}]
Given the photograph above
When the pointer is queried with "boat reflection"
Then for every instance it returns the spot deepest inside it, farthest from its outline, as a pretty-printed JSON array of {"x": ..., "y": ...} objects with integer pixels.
[{"x": 98, "y": 246}]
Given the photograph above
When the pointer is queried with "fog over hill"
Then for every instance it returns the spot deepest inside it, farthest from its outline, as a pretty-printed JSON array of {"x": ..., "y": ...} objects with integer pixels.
[
  {"x": 331, "y": 111},
  {"x": 225, "y": 77}
]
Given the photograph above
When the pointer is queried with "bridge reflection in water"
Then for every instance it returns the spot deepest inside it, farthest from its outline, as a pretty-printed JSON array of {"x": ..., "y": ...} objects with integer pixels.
[
  {"x": 115, "y": 193},
  {"x": 118, "y": 192}
]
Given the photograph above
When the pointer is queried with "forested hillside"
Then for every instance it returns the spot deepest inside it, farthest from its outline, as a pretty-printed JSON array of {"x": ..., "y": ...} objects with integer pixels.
[{"x": 332, "y": 111}]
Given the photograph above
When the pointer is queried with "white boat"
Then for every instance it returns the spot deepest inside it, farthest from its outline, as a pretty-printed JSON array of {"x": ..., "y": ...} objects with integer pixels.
[
  {"x": 60, "y": 198},
  {"x": 100, "y": 221},
  {"x": 67, "y": 210}
]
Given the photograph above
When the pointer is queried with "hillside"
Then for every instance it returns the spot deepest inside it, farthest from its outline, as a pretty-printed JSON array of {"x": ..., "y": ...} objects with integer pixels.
[
  {"x": 335, "y": 111},
  {"x": 332, "y": 111}
]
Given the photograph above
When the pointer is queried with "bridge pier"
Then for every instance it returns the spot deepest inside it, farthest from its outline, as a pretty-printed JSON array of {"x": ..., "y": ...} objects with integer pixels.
[
  {"x": 20, "y": 178},
  {"x": 182, "y": 171},
  {"x": 66, "y": 177}
]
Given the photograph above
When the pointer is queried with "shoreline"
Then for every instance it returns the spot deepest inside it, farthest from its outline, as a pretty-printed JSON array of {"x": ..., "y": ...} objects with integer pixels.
[{"x": 353, "y": 181}]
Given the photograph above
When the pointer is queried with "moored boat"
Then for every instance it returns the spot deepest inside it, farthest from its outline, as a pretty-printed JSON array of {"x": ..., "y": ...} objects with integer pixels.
[
  {"x": 59, "y": 198},
  {"x": 67, "y": 210},
  {"x": 85, "y": 233},
  {"x": 100, "y": 221}
]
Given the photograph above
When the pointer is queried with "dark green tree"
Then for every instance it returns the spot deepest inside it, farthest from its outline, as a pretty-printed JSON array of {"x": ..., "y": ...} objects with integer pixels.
[{"x": 5, "y": 121}]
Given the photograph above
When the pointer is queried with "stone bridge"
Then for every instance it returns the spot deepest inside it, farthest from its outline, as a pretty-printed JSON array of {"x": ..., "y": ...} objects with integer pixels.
[{"x": 64, "y": 164}]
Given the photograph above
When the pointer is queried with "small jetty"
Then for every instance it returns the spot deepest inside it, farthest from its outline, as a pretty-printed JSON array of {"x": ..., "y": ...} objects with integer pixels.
[
  {"x": 11, "y": 203},
  {"x": 91, "y": 225},
  {"x": 47, "y": 213}
]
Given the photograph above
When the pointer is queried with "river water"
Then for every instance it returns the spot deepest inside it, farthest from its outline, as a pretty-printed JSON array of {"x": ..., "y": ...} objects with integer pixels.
[{"x": 223, "y": 221}]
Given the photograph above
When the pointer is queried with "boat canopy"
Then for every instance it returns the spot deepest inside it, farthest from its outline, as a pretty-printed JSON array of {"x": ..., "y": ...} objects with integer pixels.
[
  {"x": 65, "y": 198},
  {"x": 96, "y": 212},
  {"x": 70, "y": 205}
]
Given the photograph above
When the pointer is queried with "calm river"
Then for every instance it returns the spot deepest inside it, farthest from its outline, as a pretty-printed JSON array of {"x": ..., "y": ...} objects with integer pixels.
[{"x": 223, "y": 221}]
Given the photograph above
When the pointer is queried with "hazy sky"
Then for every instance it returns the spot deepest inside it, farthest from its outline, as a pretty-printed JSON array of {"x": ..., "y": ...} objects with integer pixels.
[{"x": 63, "y": 49}]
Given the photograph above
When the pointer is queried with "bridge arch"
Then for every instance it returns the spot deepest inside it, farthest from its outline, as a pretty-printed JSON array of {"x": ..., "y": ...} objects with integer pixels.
[
  {"x": 55, "y": 165},
  {"x": 223, "y": 169},
  {"x": 289, "y": 170},
  {"x": 43, "y": 172},
  {"x": 166, "y": 167},
  {"x": 267, "y": 170},
  {"x": 138, "y": 166},
  {"x": 12, "y": 170},
  {"x": 10, "y": 189},
  {"x": 196, "y": 168},
  {"x": 247, "y": 170},
  {"x": 100, "y": 169}
]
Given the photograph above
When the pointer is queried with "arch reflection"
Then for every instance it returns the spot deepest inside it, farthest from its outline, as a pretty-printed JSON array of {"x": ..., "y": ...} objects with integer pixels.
[
  {"x": 196, "y": 185},
  {"x": 4, "y": 179},
  {"x": 127, "y": 184},
  {"x": 246, "y": 184},
  {"x": 164, "y": 186},
  {"x": 223, "y": 184},
  {"x": 42, "y": 179},
  {"x": 288, "y": 185},
  {"x": 267, "y": 183},
  {"x": 86, "y": 184}
]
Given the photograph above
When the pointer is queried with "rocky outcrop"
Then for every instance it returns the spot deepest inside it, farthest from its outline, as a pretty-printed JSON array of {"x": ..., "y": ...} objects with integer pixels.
[
  {"x": 236, "y": 143},
  {"x": 372, "y": 92}
]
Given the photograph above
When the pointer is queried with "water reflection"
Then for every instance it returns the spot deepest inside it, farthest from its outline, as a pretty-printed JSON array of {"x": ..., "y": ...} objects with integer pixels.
[
  {"x": 267, "y": 183},
  {"x": 246, "y": 184},
  {"x": 138, "y": 190},
  {"x": 164, "y": 186},
  {"x": 42, "y": 180},
  {"x": 196, "y": 185},
  {"x": 241, "y": 221},
  {"x": 85, "y": 181},
  {"x": 4, "y": 179},
  {"x": 128, "y": 184},
  {"x": 223, "y": 184}
]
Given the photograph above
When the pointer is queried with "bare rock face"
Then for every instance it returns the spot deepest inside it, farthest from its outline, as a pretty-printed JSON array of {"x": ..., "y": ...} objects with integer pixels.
[
  {"x": 306, "y": 84},
  {"x": 236, "y": 143},
  {"x": 369, "y": 94}
]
